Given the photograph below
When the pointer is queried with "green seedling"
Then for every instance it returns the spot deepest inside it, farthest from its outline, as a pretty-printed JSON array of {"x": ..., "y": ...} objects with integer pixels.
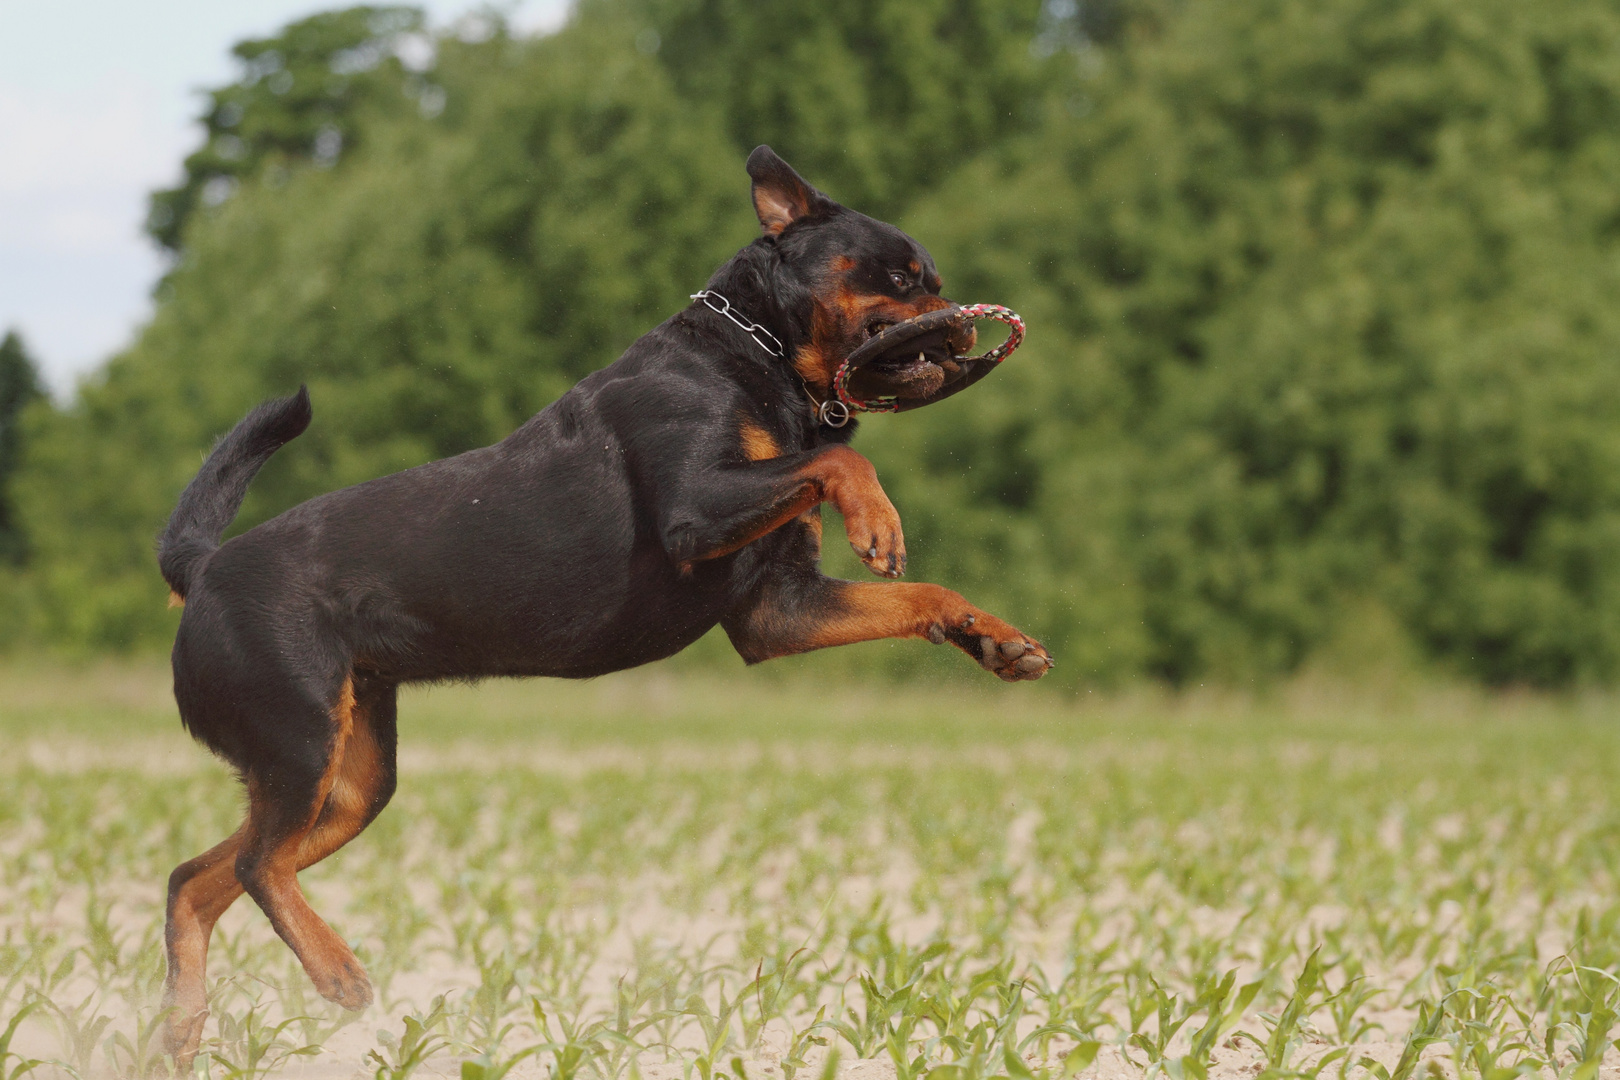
[
  {"x": 1346, "y": 1007},
  {"x": 489, "y": 1066},
  {"x": 1590, "y": 1022},
  {"x": 1482, "y": 1033},
  {"x": 715, "y": 1026},
  {"x": 576, "y": 1044},
  {"x": 1222, "y": 1010},
  {"x": 13, "y": 1066},
  {"x": 403, "y": 1054},
  {"x": 79, "y": 1030},
  {"x": 1170, "y": 1016},
  {"x": 1288, "y": 1029},
  {"x": 140, "y": 1057},
  {"x": 1425, "y": 1032},
  {"x": 248, "y": 1048},
  {"x": 800, "y": 1042}
]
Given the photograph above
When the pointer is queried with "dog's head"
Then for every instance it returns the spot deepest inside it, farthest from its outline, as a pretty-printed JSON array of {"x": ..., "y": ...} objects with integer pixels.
[{"x": 858, "y": 276}]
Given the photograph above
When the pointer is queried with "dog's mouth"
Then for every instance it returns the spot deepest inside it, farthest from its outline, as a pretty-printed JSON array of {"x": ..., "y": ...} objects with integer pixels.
[{"x": 916, "y": 367}]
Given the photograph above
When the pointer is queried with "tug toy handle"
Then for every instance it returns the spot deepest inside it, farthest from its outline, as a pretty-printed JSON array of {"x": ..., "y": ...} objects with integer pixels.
[
  {"x": 976, "y": 367},
  {"x": 1015, "y": 326}
]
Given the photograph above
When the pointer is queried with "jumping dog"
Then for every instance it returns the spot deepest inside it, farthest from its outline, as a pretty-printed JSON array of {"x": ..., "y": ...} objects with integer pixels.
[{"x": 676, "y": 489}]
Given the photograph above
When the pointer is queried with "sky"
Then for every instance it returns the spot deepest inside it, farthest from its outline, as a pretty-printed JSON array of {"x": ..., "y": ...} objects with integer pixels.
[{"x": 98, "y": 107}]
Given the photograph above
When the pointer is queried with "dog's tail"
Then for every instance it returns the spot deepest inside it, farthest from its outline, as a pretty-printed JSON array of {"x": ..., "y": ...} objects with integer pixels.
[{"x": 214, "y": 495}]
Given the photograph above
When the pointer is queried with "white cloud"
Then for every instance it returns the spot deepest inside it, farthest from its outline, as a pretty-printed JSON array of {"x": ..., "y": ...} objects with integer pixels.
[
  {"x": 75, "y": 271},
  {"x": 540, "y": 16}
]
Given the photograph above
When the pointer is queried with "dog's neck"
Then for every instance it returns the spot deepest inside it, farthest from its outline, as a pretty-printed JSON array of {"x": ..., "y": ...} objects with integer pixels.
[
  {"x": 754, "y": 283},
  {"x": 762, "y": 290}
]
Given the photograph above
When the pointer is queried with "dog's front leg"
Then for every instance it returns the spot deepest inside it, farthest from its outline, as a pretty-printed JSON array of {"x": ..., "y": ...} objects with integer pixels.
[
  {"x": 801, "y": 610},
  {"x": 718, "y": 511}
]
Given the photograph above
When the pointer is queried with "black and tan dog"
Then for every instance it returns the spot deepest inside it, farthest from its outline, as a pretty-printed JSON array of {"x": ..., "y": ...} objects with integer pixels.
[{"x": 678, "y": 488}]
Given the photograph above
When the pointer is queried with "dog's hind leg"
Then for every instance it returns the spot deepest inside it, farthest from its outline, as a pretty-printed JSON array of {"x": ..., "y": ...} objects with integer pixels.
[
  {"x": 365, "y": 773},
  {"x": 199, "y": 892},
  {"x": 296, "y": 817}
]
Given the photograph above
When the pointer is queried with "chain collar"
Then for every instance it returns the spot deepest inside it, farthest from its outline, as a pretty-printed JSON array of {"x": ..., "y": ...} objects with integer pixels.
[
  {"x": 832, "y": 412},
  {"x": 763, "y": 337}
]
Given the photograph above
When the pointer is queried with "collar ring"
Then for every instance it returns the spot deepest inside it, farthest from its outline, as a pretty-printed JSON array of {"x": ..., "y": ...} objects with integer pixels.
[{"x": 833, "y": 413}]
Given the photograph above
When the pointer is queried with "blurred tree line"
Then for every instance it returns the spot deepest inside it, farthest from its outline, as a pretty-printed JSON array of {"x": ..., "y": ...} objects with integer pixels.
[{"x": 1321, "y": 293}]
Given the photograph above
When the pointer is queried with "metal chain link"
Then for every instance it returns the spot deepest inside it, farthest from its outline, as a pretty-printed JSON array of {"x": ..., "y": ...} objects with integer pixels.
[{"x": 769, "y": 343}]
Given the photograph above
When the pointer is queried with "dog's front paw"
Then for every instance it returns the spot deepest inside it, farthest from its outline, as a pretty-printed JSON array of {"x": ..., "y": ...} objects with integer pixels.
[
  {"x": 1014, "y": 659},
  {"x": 874, "y": 533},
  {"x": 998, "y": 646}
]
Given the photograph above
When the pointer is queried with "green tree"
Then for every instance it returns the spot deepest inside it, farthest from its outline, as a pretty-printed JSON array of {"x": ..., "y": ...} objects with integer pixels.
[
  {"x": 19, "y": 388},
  {"x": 1320, "y": 307},
  {"x": 879, "y": 100},
  {"x": 304, "y": 98},
  {"x": 1319, "y": 295}
]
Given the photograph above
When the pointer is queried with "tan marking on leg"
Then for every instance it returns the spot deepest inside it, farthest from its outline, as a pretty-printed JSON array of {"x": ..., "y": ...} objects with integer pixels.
[
  {"x": 206, "y": 886},
  {"x": 812, "y": 521},
  {"x": 867, "y": 611},
  {"x": 209, "y": 884},
  {"x": 328, "y": 961},
  {"x": 757, "y": 443},
  {"x": 351, "y": 804},
  {"x": 850, "y": 483},
  {"x": 176, "y": 600},
  {"x": 871, "y": 611},
  {"x": 844, "y": 478},
  {"x": 849, "y": 612}
]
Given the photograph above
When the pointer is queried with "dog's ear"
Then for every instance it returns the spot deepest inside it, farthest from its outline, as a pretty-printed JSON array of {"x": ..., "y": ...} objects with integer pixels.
[{"x": 781, "y": 196}]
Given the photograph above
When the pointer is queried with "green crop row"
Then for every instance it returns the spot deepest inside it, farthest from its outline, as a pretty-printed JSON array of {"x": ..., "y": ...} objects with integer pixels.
[{"x": 1274, "y": 890}]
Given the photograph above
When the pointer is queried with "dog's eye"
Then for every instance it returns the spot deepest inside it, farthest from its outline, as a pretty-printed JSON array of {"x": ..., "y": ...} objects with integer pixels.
[{"x": 901, "y": 281}]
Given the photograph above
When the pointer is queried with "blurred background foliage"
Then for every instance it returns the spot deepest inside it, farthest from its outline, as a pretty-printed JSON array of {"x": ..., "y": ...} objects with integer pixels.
[{"x": 1324, "y": 354}]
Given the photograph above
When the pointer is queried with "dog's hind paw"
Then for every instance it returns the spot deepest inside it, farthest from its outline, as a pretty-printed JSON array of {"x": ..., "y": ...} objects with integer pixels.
[{"x": 344, "y": 983}]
